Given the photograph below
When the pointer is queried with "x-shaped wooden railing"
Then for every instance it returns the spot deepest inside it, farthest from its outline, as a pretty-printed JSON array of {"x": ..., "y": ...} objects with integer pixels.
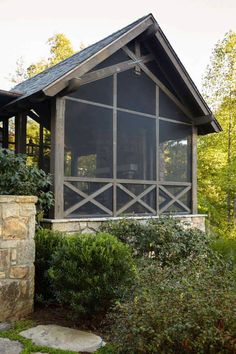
[
  {"x": 136, "y": 199},
  {"x": 87, "y": 198},
  {"x": 174, "y": 198}
]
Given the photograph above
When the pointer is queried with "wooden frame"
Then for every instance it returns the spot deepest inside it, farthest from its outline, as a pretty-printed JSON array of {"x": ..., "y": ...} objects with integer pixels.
[{"x": 115, "y": 182}]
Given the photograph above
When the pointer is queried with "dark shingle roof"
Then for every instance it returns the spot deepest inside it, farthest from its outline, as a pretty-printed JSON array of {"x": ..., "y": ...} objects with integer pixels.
[{"x": 48, "y": 76}]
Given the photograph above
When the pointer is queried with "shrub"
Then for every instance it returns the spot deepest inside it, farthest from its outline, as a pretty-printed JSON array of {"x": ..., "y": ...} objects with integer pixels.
[
  {"x": 164, "y": 239},
  {"x": 226, "y": 248},
  {"x": 88, "y": 271},
  {"x": 184, "y": 309},
  {"x": 46, "y": 242},
  {"x": 18, "y": 178}
]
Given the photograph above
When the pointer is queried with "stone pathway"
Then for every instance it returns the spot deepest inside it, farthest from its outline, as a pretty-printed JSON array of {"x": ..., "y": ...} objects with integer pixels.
[
  {"x": 58, "y": 337},
  {"x": 8, "y": 346}
]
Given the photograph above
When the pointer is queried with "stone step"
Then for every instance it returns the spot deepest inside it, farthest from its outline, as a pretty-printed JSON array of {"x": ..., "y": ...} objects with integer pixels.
[{"x": 64, "y": 338}]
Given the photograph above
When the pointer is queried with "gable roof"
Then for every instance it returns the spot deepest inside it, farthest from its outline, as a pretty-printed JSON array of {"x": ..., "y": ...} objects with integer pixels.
[
  {"x": 52, "y": 74},
  {"x": 54, "y": 79}
]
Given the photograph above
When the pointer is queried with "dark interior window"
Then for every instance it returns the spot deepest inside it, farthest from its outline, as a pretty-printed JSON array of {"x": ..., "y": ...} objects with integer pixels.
[
  {"x": 135, "y": 147},
  {"x": 168, "y": 109},
  {"x": 100, "y": 91},
  {"x": 175, "y": 152},
  {"x": 136, "y": 92},
  {"x": 88, "y": 140}
]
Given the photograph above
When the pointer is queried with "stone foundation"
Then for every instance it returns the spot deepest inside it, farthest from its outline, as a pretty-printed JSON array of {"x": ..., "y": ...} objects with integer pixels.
[
  {"x": 92, "y": 224},
  {"x": 17, "y": 255}
]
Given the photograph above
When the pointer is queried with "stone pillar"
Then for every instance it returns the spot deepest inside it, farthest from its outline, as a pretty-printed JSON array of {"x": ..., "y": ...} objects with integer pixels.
[{"x": 17, "y": 254}]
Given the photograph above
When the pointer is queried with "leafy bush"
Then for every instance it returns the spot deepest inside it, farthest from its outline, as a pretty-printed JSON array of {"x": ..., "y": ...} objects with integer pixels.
[
  {"x": 89, "y": 271},
  {"x": 17, "y": 178},
  {"x": 46, "y": 242},
  {"x": 164, "y": 239},
  {"x": 227, "y": 249},
  {"x": 184, "y": 309}
]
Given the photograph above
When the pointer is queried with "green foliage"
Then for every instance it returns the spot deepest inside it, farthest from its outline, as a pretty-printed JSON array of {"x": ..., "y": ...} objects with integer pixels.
[
  {"x": 89, "y": 271},
  {"x": 226, "y": 248},
  {"x": 163, "y": 239},
  {"x": 46, "y": 243},
  {"x": 184, "y": 309},
  {"x": 17, "y": 178},
  {"x": 217, "y": 152}
]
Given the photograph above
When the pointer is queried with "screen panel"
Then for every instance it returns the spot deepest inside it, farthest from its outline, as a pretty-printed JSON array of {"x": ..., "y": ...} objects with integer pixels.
[
  {"x": 100, "y": 91},
  {"x": 168, "y": 109},
  {"x": 136, "y": 147},
  {"x": 175, "y": 148},
  {"x": 88, "y": 140},
  {"x": 136, "y": 92}
]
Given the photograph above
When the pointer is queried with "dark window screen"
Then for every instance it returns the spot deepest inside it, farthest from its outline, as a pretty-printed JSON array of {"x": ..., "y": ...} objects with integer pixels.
[
  {"x": 168, "y": 109},
  {"x": 175, "y": 152},
  {"x": 88, "y": 140},
  {"x": 100, "y": 91},
  {"x": 115, "y": 58},
  {"x": 136, "y": 92},
  {"x": 135, "y": 147}
]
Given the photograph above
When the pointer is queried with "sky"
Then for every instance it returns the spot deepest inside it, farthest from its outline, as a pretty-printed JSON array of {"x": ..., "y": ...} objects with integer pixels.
[{"x": 192, "y": 26}]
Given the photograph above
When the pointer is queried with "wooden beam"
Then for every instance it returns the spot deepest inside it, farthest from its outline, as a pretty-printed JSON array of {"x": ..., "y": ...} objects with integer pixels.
[
  {"x": 20, "y": 133},
  {"x": 194, "y": 170},
  {"x": 57, "y": 155},
  {"x": 159, "y": 83},
  {"x": 5, "y": 133},
  {"x": 76, "y": 82},
  {"x": 59, "y": 84},
  {"x": 138, "y": 55},
  {"x": 203, "y": 120},
  {"x": 181, "y": 70},
  {"x": 114, "y": 129}
]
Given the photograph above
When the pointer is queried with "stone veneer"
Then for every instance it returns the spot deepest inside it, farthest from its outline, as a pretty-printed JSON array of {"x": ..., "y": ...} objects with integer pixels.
[
  {"x": 92, "y": 224},
  {"x": 17, "y": 254}
]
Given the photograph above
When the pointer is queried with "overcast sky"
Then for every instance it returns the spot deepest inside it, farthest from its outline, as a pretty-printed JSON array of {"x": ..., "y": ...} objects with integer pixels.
[{"x": 192, "y": 27}]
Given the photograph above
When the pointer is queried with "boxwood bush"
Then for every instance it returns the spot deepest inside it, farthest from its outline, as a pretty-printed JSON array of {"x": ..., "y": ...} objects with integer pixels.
[
  {"x": 164, "y": 239},
  {"x": 47, "y": 242},
  {"x": 88, "y": 271},
  {"x": 185, "y": 309}
]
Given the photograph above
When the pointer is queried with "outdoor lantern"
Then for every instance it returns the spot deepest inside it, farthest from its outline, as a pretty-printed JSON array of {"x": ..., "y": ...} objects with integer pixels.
[{"x": 30, "y": 147}]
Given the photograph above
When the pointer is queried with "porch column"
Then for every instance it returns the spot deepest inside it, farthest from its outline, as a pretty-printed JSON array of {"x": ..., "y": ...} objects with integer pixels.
[
  {"x": 20, "y": 133},
  {"x": 194, "y": 170},
  {"x": 57, "y": 155},
  {"x": 5, "y": 133}
]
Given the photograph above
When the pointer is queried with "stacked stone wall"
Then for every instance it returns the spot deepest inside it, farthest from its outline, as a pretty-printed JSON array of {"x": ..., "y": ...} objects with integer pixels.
[{"x": 17, "y": 255}]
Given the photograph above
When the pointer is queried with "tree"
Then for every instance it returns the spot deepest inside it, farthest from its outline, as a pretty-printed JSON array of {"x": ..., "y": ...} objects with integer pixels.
[
  {"x": 60, "y": 49},
  {"x": 217, "y": 153}
]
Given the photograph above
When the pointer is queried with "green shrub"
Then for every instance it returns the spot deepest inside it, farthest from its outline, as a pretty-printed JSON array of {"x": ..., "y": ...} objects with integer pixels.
[
  {"x": 88, "y": 271},
  {"x": 18, "y": 178},
  {"x": 46, "y": 243},
  {"x": 184, "y": 309},
  {"x": 164, "y": 239},
  {"x": 226, "y": 248}
]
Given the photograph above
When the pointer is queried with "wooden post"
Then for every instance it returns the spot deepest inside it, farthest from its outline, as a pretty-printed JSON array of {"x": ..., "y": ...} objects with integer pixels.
[
  {"x": 57, "y": 155},
  {"x": 20, "y": 133},
  {"x": 194, "y": 170},
  {"x": 5, "y": 133}
]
